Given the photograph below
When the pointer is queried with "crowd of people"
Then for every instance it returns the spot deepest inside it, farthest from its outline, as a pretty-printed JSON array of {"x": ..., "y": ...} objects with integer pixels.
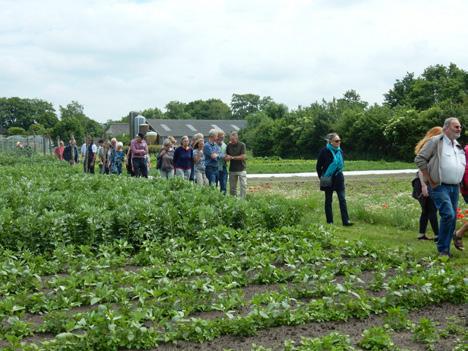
[
  {"x": 441, "y": 160},
  {"x": 205, "y": 163}
]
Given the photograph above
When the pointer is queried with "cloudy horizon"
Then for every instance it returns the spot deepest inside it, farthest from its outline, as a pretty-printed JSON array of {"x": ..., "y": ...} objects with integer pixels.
[{"x": 115, "y": 56}]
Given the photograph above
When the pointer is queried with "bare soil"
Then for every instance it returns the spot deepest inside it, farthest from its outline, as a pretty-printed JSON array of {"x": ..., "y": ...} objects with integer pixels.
[{"x": 274, "y": 338}]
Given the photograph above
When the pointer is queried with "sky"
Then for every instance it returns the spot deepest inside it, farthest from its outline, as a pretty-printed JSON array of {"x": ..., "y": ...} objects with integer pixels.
[{"x": 116, "y": 56}]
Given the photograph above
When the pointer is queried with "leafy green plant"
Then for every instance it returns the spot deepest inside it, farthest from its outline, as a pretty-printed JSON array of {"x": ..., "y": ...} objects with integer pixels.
[
  {"x": 397, "y": 318},
  {"x": 425, "y": 331},
  {"x": 375, "y": 339}
]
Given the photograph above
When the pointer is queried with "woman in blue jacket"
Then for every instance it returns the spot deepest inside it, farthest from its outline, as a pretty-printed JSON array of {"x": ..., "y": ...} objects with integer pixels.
[{"x": 330, "y": 166}]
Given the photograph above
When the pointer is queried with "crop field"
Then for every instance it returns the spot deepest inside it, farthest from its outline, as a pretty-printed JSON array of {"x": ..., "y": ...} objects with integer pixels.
[{"x": 115, "y": 263}]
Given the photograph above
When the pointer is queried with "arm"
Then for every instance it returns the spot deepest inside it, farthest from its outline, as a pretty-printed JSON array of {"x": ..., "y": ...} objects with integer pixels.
[
  {"x": 422, "y": 159},
  {"x": 320, "y": 163},
  {"x": 424, "y": 189}
]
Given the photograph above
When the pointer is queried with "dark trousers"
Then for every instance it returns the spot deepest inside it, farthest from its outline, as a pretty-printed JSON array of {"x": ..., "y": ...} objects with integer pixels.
[
  {"x": 88, "y": 167},
  {"x": 222, "y": 180},
  {"x": 139, "y": 167},
  {"x": 428, "y": 214},
  {"x": 342, "y": 202}
]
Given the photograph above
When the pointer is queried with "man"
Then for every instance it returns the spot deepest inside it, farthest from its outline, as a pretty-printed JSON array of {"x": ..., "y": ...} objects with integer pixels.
[
  {"x": 235, "y": 154},
  {"x": 70, "y": 153},
  {"x": 211, "y": 151},
  {"x": 139, "y": 150},
  {"x": 222, "y": 169},
  {"x": 88, "y": 152},
  {"x": 442, "y": 162}
]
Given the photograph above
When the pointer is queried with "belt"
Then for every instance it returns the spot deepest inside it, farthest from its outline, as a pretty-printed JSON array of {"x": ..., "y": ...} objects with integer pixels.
[{"x": 449, "y": 184}]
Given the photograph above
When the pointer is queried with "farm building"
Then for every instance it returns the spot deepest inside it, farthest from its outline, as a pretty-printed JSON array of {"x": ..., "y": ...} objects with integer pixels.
[{"x": 180, "y": 127}]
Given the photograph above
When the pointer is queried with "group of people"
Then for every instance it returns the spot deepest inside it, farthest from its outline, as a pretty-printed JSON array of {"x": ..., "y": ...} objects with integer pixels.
[
  {"x": 205, "y": 163},
  {"x": 109, "y": 156},
  {"x": 442, "y": 175}
]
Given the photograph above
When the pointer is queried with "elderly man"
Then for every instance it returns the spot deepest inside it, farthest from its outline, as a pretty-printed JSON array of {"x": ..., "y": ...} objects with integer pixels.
[
  {"x": 211, "y": 151},
  {"x": 235, "y": 154},
  {"x": 442, "y": 162},
  {"x": 88, "y": 152},
  {"x": 70, "y": 153},
  {"x": 139, "y": 150}
]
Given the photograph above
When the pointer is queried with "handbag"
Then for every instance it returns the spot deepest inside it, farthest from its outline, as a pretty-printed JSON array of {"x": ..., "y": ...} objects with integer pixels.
[
  {"x": 325, "y": 181},
  {"x": 417, "y": 188}
]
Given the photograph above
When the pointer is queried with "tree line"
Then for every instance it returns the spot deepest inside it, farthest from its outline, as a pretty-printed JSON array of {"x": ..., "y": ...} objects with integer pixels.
[{"x": 379, "y": 131}]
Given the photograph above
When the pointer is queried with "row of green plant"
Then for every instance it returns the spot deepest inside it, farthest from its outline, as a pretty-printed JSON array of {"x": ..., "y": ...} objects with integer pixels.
[
  {"x": 48, "y": 204},
  {"x": 206, "y": 273},
  {"x": 380, "y": 338}
]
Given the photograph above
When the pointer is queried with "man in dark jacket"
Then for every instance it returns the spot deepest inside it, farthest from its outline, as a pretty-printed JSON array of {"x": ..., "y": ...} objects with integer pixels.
[{"x": 70, "y": 153}]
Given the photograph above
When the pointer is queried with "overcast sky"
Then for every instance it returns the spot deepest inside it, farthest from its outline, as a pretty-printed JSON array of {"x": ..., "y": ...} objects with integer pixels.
[{"x": 114, "y": 56}]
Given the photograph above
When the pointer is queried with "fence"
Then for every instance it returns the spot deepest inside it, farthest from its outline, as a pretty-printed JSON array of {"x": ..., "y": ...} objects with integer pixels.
[{"x": 27, "y": 144}]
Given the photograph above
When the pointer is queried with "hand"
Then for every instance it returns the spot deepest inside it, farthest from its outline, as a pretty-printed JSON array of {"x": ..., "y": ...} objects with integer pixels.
[
  {"x": 214, "y": 155},
  {"x": 424, "y": 191}
]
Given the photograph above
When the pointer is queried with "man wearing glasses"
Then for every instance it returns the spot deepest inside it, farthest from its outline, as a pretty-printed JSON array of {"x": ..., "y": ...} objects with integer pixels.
[{"x": 442, "y": 162}]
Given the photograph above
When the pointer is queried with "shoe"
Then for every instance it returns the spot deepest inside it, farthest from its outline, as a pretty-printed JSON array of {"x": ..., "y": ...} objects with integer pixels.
[
  {"x": 349, "y": 224},
  {"x": 458, "y": 243},
  {"x": 423, "y": 237},
  {"x": 444, "y": 254}
]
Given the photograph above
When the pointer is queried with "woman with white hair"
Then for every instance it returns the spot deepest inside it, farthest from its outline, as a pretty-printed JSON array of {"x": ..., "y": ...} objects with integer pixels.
[
  {"x": 166, "y": 160},
  {"x": 199, "y": 162},
  {"x": 330, "y": 166}
]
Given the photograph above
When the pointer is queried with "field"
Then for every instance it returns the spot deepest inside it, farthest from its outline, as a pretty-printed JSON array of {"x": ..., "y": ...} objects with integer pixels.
[
  {"x": 109, "y": 263},
  {"x": 260, "y": 165}
]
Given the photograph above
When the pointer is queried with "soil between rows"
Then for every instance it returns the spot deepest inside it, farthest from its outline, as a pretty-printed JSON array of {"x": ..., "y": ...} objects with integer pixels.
[{"x": 274, "y": 338}]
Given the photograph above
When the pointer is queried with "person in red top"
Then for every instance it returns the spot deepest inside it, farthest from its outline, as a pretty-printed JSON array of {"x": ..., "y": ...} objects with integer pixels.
[
  {"x": 59, "y": 150},
  {"x": 458, "y": 238},
  {"x": 139, "y": 150}
]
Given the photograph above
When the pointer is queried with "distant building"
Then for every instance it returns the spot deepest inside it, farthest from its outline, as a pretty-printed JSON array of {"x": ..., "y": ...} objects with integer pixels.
[{"x": 180, "y": 127}]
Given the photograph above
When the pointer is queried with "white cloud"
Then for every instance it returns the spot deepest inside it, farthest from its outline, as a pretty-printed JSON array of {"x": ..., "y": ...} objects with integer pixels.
[{"x": 114, "y": 56}]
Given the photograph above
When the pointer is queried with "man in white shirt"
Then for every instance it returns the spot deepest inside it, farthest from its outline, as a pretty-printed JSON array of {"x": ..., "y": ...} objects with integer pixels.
[
  {"x": 442, "y": 162},
  {"x": 88, "y": 152}
]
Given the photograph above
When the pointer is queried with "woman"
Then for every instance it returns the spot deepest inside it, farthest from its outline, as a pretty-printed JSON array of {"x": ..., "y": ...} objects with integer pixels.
[
  {"x": 199, "y": 162},
  {"x": 428, "y": 209},
  {"x": 183, "y": 159},
  {"x": 330, "y": 170},
  {"x": 59, "y": 150},
  {"x": 166, "y": 156}
]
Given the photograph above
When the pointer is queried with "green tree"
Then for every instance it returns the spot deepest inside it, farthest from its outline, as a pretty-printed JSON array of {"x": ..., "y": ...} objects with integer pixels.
[
  {"x": 18, "y": 112},
  {"x": 244, "y": 104},
  {"x": 16, "y": 131},
  {"x": 75, "y": 123},
  {"x": 176, "y": 110}
]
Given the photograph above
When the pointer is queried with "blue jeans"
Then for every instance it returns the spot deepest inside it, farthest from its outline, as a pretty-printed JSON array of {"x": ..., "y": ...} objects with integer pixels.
[
  {"x": 445, "y": 198},
  {"x": 212, "y": 175},
  {"x": 222, "y": 180}
]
